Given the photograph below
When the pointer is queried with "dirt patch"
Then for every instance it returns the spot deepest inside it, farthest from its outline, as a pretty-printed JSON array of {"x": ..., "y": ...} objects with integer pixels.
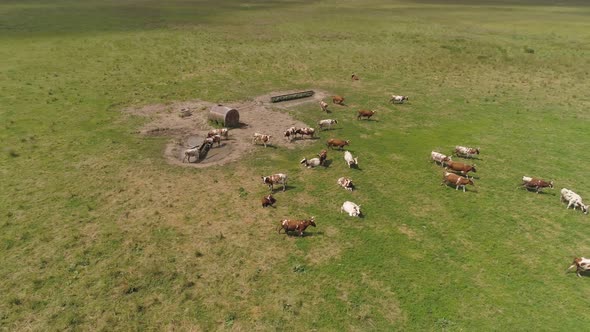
[{"x": 187, "y": 125}]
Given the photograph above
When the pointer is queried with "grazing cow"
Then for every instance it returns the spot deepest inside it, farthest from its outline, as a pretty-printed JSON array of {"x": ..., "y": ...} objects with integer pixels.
[
  {"x": 398, "y": 99},
  {"x": 324, "y": 106},
  {"x": 573, "y": 199},
  {"x": 457, "y": 167},
  {"x": 582, "y": 264},
  {"x": 326, "y": 123},
  {"x": 313, "y": 162},
  {"x": 346, "y": 183},
  {"x": 296, "y": 225},
  {"x": 323, "y": 155},
  {"x": 354, "y": 77},
  {"x": 456, "y": 180},
  {"x": 221, "y": 132},
  {"x": 465, "y": 152},
  {"x": 351, "y": 208},
  {"x": 332, "y": 142},
  {"x": 440, "y": 158},
  {"x": 365, "y": 114},
  {"x": 278, "y": 178},
  {"x": 264, "y": 139},
  {"x": 350, "y": 161},
  {"x": 338, "y": 100},
  {"x": 268, "y": 201},
  {"x": 305, "y": 131},
  {"x": 535, "y": 184}
]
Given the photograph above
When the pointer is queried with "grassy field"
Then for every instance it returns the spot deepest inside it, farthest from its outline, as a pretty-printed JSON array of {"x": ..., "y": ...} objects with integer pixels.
[{"x": 98, "y": 232}]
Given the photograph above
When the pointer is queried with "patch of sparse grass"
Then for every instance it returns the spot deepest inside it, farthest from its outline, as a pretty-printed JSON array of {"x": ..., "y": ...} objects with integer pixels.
[{"x": 100, "y": 233}]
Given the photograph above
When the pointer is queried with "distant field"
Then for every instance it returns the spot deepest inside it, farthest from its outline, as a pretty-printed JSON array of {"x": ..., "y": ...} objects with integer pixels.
[{"x": 98, "y": 232}]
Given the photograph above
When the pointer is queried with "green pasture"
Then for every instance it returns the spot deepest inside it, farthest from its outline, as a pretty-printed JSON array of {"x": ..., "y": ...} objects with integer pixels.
[{"x": 98, "y": 232}]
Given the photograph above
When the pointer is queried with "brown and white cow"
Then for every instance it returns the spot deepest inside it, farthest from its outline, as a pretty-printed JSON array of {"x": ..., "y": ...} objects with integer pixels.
[
  {"x": 324, "y": 106},
  {"x": 332, "y": 142},
  {"x": 264, "y": 139},
  {"x": 439, "y": 158},
  {"x": 290, "y": 134},
  {"x": 299, "y": 226},
  {"x": 365, "y": 114},
  {"x": 465, "y": 152},
  {"x": 305, "y": 132},
  {"x": 221, "y": 132},
  {"x": 581, "y": 264},
  {"x": 278, "y": 178},
  {"x": 461, "y": 168},
  {"x": 214, "y": 139},
  {"x": 346, "y": 183},
  {"x": 268, "y": 201},
  {"x": 354, "y": 77},
  {"x": 536, "y": 184},
  {"x": 456, "y": 180},
  {"x": 338, "y": 100}
]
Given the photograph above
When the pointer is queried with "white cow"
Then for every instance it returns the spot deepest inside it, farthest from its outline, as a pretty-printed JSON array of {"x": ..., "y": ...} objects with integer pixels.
[
  {"x": 326, "y": 123},
  {"x": 573, "y": 199},
  {"x": 192, "y": 152},
  {"x": 439, "y": 157},
  {"x": 324, "y": 106},
  {"x": 351, "y": 208},
  {"x": 313, "y": 162},
  {"x": 350, "y": 161},
  {"x": 398, "y": 99},
  {"x": 346, "y": 183}
]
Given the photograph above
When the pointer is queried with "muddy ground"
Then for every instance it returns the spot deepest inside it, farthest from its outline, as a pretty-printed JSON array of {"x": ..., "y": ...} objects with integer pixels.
[{"x": 186, "y": 124}]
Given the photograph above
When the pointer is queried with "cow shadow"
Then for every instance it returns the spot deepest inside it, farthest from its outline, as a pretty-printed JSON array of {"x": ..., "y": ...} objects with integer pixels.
[
  {"x": 541, "y": 192},
  {"x": 272, "y": 146},
  {"x": 467, "y": 189},
  {"x": 327, "y": 163},
  {"x": 279, "y": 188}
]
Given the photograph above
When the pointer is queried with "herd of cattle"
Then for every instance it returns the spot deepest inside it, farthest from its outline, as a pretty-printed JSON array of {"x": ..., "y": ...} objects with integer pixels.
[{"x": 456, "y": 173}]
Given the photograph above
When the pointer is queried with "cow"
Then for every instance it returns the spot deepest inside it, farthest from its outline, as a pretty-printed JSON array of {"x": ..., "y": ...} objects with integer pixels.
[
  {"x": 332, "y": 142},
  {"x": 296, "y": 225},
  {"x": 350, "y": 161},
  {"x": 440, "y": 158},
  {"x": 191, "y": 152},
  {"x": 346, "y": 183},
  {"x": 354, "y": 77},
  {"x": 278, "y": 178},
  {"x": 456, "y": 180},
  {"x": 398, "y": 99},
  {"x": 199, "y": 152},
  {"x": 351, "y": 208},
  {"x": 313, "y": 162},
  {"x": 214, "y": 139},
  {"x": 573, "y": 199},
  {"x": 326, "y": 123},
  {"x": 465, "y": 152},
  {"x": 365, "y": 114},
  {"x": 324, "y": 106},
  {"x": 290, "y": 133},
  {"x": 268, "y": 201},
  {"x": 221, "y": 132},
  {"x": 581, "y": 264},
  {"x": 305, "y": 131},
  {"x": 323, "y": 155},
  {"x": 457, "y": 167},
  {"x": 536, "y": 184},
  {"x": 264, "y": 139},
  {"x": 338, "y": 100}
]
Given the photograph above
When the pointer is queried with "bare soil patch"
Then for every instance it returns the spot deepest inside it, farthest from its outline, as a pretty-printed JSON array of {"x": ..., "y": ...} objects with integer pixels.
[{"x": 187, "y": 125}]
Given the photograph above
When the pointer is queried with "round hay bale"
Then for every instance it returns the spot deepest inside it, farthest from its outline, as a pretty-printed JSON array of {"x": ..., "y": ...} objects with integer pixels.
[{"x": 227, "y": 116}]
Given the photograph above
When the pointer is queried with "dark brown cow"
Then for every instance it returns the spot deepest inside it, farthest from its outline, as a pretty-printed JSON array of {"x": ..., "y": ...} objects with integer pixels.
[
  {"x": 332, "y": 142},
  {"x": 296, "y": 225},
  {"x": 323, "y": 155},
  {"x": 456, "y": 180},
  {"x": 338, "y": 100},
  {"x": 457, "y": 167},
  {"x": 268, "y": 201},
  {"x": 365, "y": 114}
]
